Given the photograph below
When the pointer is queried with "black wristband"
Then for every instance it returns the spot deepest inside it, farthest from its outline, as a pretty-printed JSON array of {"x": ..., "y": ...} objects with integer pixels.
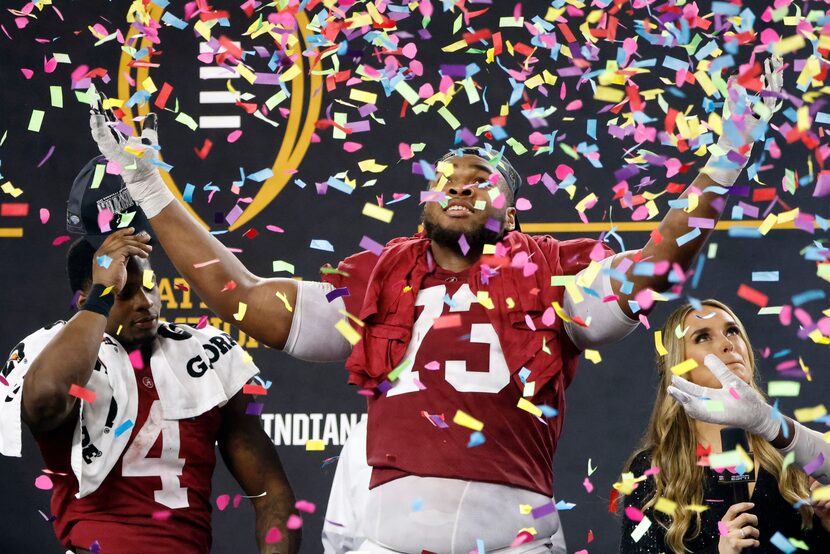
[{"x": 99, "y": 304}]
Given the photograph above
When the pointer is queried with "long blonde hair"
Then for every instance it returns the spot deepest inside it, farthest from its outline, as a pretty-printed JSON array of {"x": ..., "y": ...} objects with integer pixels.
[{"x": 671, "y": 441}]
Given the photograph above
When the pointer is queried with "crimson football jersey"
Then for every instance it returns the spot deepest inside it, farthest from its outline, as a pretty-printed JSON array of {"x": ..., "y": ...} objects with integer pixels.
[
  {"x": 459, "y": 365},
  {"x": 156, "y": 498}
]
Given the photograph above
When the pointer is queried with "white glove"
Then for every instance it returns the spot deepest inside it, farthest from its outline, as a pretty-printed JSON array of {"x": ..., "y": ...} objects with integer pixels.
[
  {"x": 739, "y": 108},
  {"x": 135, "y": 156},
  {"x": 749, "y": 412}
]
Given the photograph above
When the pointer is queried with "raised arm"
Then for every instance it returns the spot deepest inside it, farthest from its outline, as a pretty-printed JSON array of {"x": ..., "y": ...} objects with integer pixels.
[
  {"x": 749, "y": 411},
  {"x": 71, "y": 355},
  {"x": 720, "y": 172},
  {"x": 201, "y": 259},
  {"x": 252, "y": 459}
]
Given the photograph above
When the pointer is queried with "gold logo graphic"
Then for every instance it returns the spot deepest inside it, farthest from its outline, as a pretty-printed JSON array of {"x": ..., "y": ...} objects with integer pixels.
[{"x": 304, "y": 109}]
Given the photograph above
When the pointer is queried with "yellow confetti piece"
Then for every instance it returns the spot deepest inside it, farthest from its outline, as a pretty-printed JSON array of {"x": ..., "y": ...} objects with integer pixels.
[
  {"x": 347, "y": 331},
  {"x": 574, "y": 292},
  {"x": 658, "y": 343},
  {"x": 810, "y": 414},
  {"x": 529, "y": 407},
  {"x": 376, "y": 212},
  {"x": 444, "y": 112},
  {"x": 371, "y": 166},
  {"x": 821, "y": 493},
  {"x": 468, "y": 421},
  {"x": 706, "y": 83},
  {"x": 455, "y": 46},
  {"x": 148, "y": 85},
  {"x": 36, "y": 121},
  {"x": 149, "y": 279},
  {"x": 315, "y": 445},
  {"x": 684, "y": 367},
  {"x": 56, "y": 96},
  {"x": 240, "y": 313},
  {"x": 788, "y": 44},
  {"x": 483, "y": 298},
  {"x": 404, "y": 89},
  {"x": 187, "y": 121},
  {"x": 291, "y": 73},
  {"x": 281, "y": 295},
  {"x": 118, "y": 331},
  {"x": 202, "y": 28},
  {"x": 525, "y": 509},
  {"x": 111, "y": 103},
  {"x": 767, "y": 224},
  {"x": 106, "y": 291},
  {"x": 699, "y": 508},
  {"x": 561, "y": 313},
  {"x": 608, "y": 94},
  {"x": 362, "y": 96},
  {"x": 592, "y": 355},
  {"x": 665, "y": 505}
]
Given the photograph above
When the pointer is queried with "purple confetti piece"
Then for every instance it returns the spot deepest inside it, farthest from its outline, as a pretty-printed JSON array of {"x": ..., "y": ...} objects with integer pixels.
[
  {"x": 438, "y": 422},
  {"x": 811, "y": 467},
  {"x": 233, "y": 215},
  {"x": 337, "y": 293},
  {"x": 48, "y": 155},
  {"x": 463, "y": 244},
  {"x": 372, "y": 246},
  {"x": 543, "y": 510},
  {"x": 254, "y": 408}
]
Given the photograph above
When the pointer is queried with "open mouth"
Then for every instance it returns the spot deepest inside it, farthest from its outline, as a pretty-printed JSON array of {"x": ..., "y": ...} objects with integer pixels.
[{"x": 458, "y": 210}]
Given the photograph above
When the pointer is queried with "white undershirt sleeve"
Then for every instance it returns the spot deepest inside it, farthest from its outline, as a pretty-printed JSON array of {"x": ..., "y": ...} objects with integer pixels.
[
  {"x": 608, "y": 323},
  {"x": 808, "y": 445},
  {"x": 313, "y": 337}
]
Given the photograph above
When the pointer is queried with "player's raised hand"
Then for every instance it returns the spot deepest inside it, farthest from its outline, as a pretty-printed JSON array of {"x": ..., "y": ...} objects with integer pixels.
[
  {"x": 109, "y": 267},
  {"x": 134, "y": 155}
]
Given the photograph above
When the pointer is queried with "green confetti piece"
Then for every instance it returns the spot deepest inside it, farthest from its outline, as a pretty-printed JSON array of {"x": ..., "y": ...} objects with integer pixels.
[
  {"x": 56, "y": 94},
  {"x": 36, "y": 120}
]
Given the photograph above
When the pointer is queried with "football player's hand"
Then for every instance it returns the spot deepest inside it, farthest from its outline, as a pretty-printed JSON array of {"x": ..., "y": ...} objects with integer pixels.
[{"x": 109, "y": 267}]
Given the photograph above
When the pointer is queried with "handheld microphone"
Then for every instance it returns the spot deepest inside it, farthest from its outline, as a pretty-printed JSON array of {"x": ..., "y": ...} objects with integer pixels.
[{"x": 731, "y": 438}]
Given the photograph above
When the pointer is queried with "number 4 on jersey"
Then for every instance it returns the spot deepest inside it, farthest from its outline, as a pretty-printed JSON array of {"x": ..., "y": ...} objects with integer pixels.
[{"x": 168, "y": 467}]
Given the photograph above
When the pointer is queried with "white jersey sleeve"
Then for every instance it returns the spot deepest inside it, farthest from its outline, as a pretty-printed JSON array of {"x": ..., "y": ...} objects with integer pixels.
[
  {"x": 608, "y": 323},
  {"x": 313, "y": 336}
]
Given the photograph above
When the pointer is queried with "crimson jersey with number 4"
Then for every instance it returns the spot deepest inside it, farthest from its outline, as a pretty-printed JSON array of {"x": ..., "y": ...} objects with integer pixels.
[
  {"x": 156, "y": 499},
  {"x": 459, "y": 365}
]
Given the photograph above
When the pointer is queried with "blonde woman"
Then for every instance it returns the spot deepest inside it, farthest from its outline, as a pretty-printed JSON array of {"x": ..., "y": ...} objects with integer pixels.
[{"x": 675, "y": 446}]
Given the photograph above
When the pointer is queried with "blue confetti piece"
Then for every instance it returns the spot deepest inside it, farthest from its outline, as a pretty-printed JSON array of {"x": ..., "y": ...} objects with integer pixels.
[
  {"x": 123, "y": 427},
  {"x": 691, "y": 235},
  {"x": 808, "y": 296},
  {"x": 321, "y": 244},
  {"x": 187, "y": 195},
  {"x": 524, "y": 373},
  {"x": 765, "y": 276},
  {"x": 104, "y": 261},
  {"x": 547, "y": 411},
  {"x": 417, "y": 504},
  {"x": 261, "y": 175},
  {"x": 781, "y": 543},
  {"x": 562, "y": 505},
  {"x": 476, "y": 438}
]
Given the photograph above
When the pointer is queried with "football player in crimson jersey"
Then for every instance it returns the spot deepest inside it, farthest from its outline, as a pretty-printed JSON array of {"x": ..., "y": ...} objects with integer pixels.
[
  {"x": 131, "y": 512},
  {"x": 454, "y": 338}
]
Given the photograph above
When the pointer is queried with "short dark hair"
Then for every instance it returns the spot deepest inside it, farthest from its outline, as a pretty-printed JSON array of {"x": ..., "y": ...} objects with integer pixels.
[{"x": 79, "y": 264}]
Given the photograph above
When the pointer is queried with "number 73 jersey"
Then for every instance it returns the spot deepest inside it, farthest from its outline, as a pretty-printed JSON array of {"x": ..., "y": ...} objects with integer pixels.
[
  {"x": 454, "y": 362},
  {"x": 156, "y": 499}
]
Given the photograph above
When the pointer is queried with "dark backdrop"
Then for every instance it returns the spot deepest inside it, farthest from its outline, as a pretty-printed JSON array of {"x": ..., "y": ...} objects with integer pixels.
[{"x": 608, "y": 404}]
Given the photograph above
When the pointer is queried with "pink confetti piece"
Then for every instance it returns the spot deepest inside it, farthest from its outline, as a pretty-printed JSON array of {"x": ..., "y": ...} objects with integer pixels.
[
  {"x": 523, "y": 204},
  {"x": 44, "y": 215},
  {"x": 352, "y": 146},
  {"x": 589, "y": 487},
  {"x": 275, "y": 229},
  {"x": 305, "y": 506},
  {"x": 43, "y": 482},
  {"x": 549, "y": 317},
  {"x": 136, "y": 359},
  {"x": 161, "y": 515},
  {"x": 27, "y": 72},
  {"x": 722, "y": 528},
  {"x": 205, "y": 264},
  {"x": 734, "y": 394},
  {"x": 233, "y": 136},
  {"x": 529, "y": 322},
  {"x": 273, "y": 535},
  {"x": 203, "y": 321},
  {"x": 633, "y": 514},
  {"x": 222, "y": 501},
  {"x": 433, "y": 365}
]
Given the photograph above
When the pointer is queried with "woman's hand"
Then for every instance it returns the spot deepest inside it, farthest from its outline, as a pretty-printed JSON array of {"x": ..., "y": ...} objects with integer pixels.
[{"x": 740, "y": 529}]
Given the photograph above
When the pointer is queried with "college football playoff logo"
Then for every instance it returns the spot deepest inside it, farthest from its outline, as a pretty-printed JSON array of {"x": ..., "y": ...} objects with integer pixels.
[{"x": 245, "y": 127}]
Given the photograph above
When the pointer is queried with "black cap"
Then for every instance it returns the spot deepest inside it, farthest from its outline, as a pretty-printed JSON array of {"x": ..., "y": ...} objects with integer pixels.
[{"x": 85, "y": 203}]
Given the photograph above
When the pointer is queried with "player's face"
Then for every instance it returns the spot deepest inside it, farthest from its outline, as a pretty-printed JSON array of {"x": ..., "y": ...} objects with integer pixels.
[
  {"x": 469, "y": 204},
  {"x": 713, "y": 331},
  {"x": 134, "y": 316}
]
